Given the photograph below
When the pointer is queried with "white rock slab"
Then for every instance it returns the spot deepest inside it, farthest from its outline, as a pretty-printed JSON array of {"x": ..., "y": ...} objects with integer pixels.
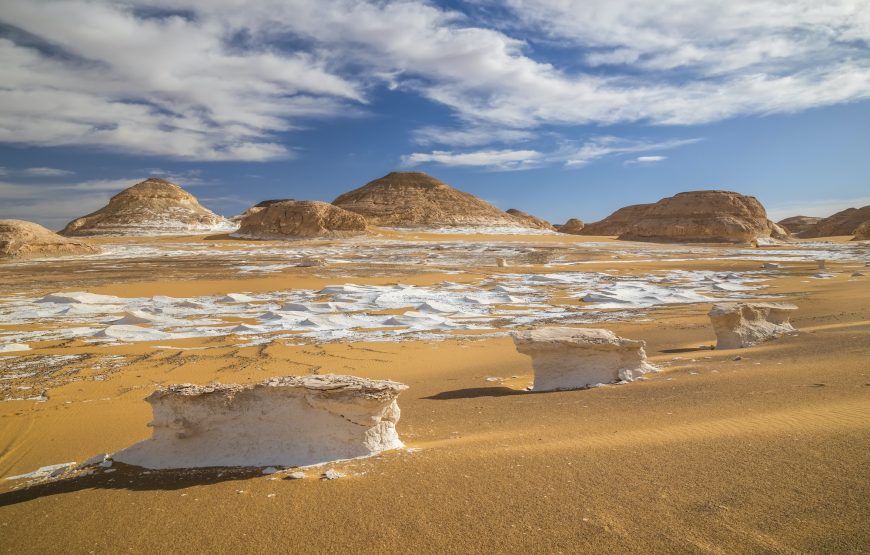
[
  {"x": 575, "y": 358},
  {"x": 284, "y": 421},
  {"x": 739, "y": 325}
]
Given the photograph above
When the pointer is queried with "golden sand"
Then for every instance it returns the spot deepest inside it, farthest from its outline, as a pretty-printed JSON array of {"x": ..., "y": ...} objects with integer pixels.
[{"x": 765, "y": 453}]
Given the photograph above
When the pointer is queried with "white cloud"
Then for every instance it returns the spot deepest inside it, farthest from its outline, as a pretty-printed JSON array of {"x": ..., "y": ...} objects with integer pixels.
[
  {"x": 599, "y": 147},
  {"x": 492, "y": 159},
  {"x": 471, "y": 136},
  {"x": 35, "y": 172},
  {"x": 645, "y": 160}
]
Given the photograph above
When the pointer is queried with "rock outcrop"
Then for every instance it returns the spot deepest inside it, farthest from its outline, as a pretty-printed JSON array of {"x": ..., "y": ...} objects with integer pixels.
[
  {"x": 256, "y": 208},
  {"x": 845, "y": 222},
  {"x": 20, "y": 239},
  {"x": 572, "y": 226},
  {"x": 152, "y": 207},
  {"x": 527, "y": 220},
  {"x": 799, "y": 224},
  {"x": 739, "y": 325},
  {"x": 574, "y": 358},
  {"x": 702, "y": 216},
  {"x": 617, "y": 223},
  {"x": 285, "y": 421},
  {"x": 862, "y": 232},
  {"x": 417, "y": 200},
  {"x": 300, "y": 218}
]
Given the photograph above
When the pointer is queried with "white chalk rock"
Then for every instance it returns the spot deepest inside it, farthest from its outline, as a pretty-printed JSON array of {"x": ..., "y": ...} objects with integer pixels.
[
  {"x": 575, "y": 358},
  {"x": 739, "y": 325},
  {"x": 284, "y": 421}
]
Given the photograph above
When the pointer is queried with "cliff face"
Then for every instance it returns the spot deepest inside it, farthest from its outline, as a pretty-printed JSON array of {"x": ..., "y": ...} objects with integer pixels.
[{"x": 152, "y": 207}]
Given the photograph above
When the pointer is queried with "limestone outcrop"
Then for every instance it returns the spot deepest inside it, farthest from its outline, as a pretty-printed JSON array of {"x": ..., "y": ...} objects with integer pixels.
[
  {"x": 739, "y": 325},
  {"x": 617, "y": 223},
  {"x": 575, "y": 358},
  {"x": 799, "y": 224},
  {"x": 152, "y": 207},
  {"x": 527, "y": 220},
  {"x": 256, "y": 208},
  {"x": 21, "y": 239},
  {"x": 300, "y": 218},
  {"x": 417, "y": 200},
  {"x": 702, "y": 216},
  {"x": 572, "y": 226},
  {"x": 845, "y": 222},
  {"x": 283, "y": 421},
  {"x": 862, "y": 232}
]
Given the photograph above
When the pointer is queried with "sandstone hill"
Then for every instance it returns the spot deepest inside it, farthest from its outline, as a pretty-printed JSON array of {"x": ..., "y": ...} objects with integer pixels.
[
  {"x": 845, "y": 222},
  {"x": 300, "y": 218},
  {"x": 703, "y": 216},
  {"x": 799, "y": 224},
  {"x": 617, "y": 223},
  {"x": 417, "y": 200},
  {"x": 572, "y": 226},
  {"x": 256, "y": 208},
  {"x": 152, "y": 207},
  {"x": 527, "y": 220},
  {"x": 20, "y": 239}
]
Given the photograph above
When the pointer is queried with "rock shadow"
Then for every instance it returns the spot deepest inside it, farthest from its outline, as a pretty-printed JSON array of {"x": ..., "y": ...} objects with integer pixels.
[{"x": 474, "y": 392}]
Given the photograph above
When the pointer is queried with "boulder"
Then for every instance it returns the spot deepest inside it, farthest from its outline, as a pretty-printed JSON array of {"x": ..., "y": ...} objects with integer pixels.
[
  {"x": 575, "y": 358},
  {"x": 152, "y": 207},
  {"x": 417, "y": 200},
  {"x": 617, "y": 223},
  {"x": 702, "y": 216},
  {"x": 527, "y": 220},
  {"x": 20, "y": 239},
  {"x": 572, "y": 226},
  {"x": 739, "y": 325},
  {"x": 300, "y": 218},
  {"x": 845, "y": 222},
  {"x": 799, "y": 224},
  {"x": 284, "y": 421}
]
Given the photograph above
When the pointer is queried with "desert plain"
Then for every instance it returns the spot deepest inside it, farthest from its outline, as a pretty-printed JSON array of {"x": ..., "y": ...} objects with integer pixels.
[{"x": 762, "y": 449}]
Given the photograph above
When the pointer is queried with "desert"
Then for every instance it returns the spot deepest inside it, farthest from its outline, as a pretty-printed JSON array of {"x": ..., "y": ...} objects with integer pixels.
[{"x": 426, "y": 276}]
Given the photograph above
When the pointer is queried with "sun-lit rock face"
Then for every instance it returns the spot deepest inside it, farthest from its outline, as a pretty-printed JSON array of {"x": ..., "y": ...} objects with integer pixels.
[
  {"x": 527, "y": 220},
  {"x": 284, "y": 421},
  {"x": 21, "y": 239},
  {"x": 417, "y": 200},
  {"x": 152, "y": 207},
  {"x": 301, "y": 218},
  {"x": 572, "y": 226},
  {"x": 702, "y": 216},
  {"x": 575, "y": 358},
  {"x": 845, "y": 222},
  {"x": 739, "y": 325},
  {"x": 257, "y": 207},
  {"x": 617, "y": 223},
  {"x": 799, "y": 224},
  {"x": 862, "y": 232}
]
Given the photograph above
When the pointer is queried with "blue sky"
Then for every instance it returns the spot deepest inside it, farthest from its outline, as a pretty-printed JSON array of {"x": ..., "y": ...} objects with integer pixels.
[{"x": 560, "y": 108}]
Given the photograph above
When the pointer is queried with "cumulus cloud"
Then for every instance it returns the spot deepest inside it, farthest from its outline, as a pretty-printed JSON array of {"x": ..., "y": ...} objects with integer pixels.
[{"x": 220, "y": 80}]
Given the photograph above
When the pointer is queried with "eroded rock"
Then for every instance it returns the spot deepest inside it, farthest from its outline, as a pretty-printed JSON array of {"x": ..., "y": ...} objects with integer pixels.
[
  {"x": 300, "y": 218},
  {"x": 572, "y": 226},
  {"x": 283, "y": 421},
  {"x": 739, "y": 325},
  {"x": 575, "y": 358},
  {"x": 20, "y": 239}
]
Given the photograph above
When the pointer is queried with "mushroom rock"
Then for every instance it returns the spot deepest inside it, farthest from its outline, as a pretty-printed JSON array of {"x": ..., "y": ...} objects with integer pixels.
[
  {"x": 798, "y": 224},
  {"x": 617, "y": 223},
  {"x": 702, "y": 216},
  {"x": 845, "y": 222},
  {"x": 527, "y": 220},
  {"x": 417, "y": 200},
  {"x": 21, "y": 239},
  {"x": 575, "y": 358},
  {"x": 152, "y": 207},
  {"x": 301, "y": 218},
  {"x": 283, "y": 421},
  {"x": 572, "y": 226},
  {"x": 739, "y": 325}
]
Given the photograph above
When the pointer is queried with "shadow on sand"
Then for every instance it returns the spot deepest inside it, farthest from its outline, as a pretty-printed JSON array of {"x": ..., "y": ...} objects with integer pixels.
[
  {"x": 474, "y": 392},
  {"x": 132, "y": 478},
  {"x": 687, "y": 350}
]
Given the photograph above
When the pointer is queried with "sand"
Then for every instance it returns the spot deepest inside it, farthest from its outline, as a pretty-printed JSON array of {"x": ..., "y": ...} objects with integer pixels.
[{"x": 767, "y": 453}]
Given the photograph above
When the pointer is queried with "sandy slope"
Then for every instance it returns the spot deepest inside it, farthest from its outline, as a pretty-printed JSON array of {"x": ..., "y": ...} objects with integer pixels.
[{"x": 763, "y": 454}]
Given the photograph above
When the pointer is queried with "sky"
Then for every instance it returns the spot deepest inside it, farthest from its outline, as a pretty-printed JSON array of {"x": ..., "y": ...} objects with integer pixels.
[{"x": 561, "y": 108}]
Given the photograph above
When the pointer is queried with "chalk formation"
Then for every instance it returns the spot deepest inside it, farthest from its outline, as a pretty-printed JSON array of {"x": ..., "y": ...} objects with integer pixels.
[
  {"x": 283, "y": 421},
  {"x": 739, "y": 325},
  {"x": 300, "y": 218},
  {"x": 21, "y": 239},
  {"x": 574, "y": 358}
]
